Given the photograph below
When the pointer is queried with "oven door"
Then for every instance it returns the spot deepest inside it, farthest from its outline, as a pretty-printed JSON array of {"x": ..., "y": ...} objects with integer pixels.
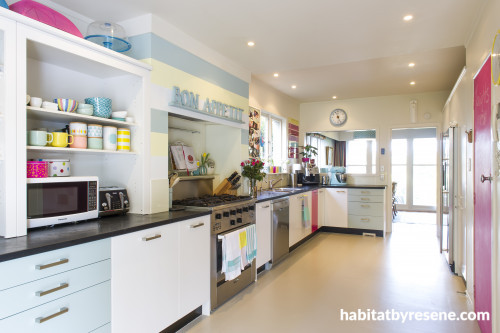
[{"x": 220, "y": 276}]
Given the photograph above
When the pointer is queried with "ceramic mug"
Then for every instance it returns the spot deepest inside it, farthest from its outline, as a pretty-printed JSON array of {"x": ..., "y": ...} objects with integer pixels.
[
  {"x": 123, "y": 139},
  {"x": 109, "y": 138},
  {"x": 36, "y": 102},
  {"x": 61, "y": 139},
  {"x": 94, "y": 143},
  {"x": 79, "y": 141},
  {"x": 94, "y": 131},
  {"x": 39, "y": 138},
  {"x": 77, "y": 128}
]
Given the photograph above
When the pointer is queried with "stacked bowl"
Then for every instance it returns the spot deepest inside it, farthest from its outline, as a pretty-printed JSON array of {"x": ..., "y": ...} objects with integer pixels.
[
  {"x": 101, "y": 105},
  {"x": 94, "y": 133},
  {"x": 86, "y": 109}
]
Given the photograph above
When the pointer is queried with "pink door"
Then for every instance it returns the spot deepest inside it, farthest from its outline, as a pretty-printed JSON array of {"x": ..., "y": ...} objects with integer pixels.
[
  {"x": 314, "y": 222},
  {"x": 482, "y": 193}
]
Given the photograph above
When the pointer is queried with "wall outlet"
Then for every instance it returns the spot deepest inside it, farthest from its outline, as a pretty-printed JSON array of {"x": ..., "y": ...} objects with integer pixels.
[
  {"x": 382, "y": 168},
  {"x": 382, "y": 176}
]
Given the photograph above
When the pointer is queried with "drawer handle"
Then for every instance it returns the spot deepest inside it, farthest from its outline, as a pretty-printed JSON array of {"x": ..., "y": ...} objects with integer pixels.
[
  {"x": 44, "y": 319},
  {"x": 265, "y": 206},
  {"x": 365, "y": 220},
  {"x": 365, "y": 192},
  {"x": 147, "y": 239},
  {"x": 50, "y": 291},
  {"x": 365, "y": 206},
  {"x": 57, "y": 263},
  {"x": 365, "y": 199},
  {"x": 201, "y": 224},
  {"x": 340, "y": 191}
]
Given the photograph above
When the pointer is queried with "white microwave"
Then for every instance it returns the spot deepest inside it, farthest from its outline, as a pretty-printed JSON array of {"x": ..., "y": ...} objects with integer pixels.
[{"x": 56, "y": 200}]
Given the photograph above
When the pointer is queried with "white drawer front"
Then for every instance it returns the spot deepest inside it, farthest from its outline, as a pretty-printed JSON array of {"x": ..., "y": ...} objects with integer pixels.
[
  {"x": 366, "y": 198},
  {"x": 365, "y": 191},
  {"x": 366, "y": 222},
  {"x": 23, "y": 270},
  {"x": 86, "y": 310},
  {"x": 366, "y": 209},
  {"x": 41, "y": 291}
]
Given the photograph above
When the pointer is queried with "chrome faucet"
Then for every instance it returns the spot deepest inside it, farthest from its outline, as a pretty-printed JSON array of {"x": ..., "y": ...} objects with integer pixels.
[{"x": 272, "y": 183}]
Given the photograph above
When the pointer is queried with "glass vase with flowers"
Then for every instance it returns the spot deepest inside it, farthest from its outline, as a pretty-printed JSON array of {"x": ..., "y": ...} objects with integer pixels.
[{"x": 253, "y": 170}]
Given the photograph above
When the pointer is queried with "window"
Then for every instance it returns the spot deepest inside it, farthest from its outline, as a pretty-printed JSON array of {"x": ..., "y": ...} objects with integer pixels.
[
  {"x": 361, "y": 156},
  {"x": 273, "y": 139}
]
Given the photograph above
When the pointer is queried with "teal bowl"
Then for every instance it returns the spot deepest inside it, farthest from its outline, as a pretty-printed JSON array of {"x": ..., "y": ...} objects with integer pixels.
[{"x": 102, "y": 106}]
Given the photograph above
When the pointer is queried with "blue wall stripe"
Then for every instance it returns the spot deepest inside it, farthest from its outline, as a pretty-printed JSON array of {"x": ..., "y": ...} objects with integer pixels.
[
  {"x": 149, "y": 45},
  {"x": 159, "y": 121}
]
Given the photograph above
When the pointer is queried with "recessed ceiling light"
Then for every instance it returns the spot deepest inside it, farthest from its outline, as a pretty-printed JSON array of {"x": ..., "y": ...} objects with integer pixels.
[
  {"x": 411, "y": 64},
  {"x": 412, "y": 83},
  {"x": 294, "y": 87},
  {"x": 408, "y": 17},
  {"x": 250, "y": 43},
  {"x": 276, "y": 75},
  {"x": 334, "y": 97}
]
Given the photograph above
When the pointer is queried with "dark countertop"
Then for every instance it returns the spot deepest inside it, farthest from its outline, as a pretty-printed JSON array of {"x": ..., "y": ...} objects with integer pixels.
[
  {"x": 48, "y": 239},
  {"x": 270, "y": 195}
]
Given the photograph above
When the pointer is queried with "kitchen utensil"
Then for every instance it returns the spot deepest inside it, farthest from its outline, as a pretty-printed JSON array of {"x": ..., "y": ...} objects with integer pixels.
[
  {"x": 78, "y": 128},
  {"x": 94, "y": 143},
  {"x": 119, "y": 114},
  {"x": 58, "y": 168},
  {"x": 61, "y": 139},
  {"x": 39, "y": 138},
  {"x": 123, "y": 139},
  {"x": 109, "y": 138},
  {"x": 173, "y": 179},
  {"x": 79, "y": 141},
  {"x": 66, "y": 104},
  {"x": 176, "y": 180},
  {"x": 49, "y": 106},
  {"x": 109, "y": 35},
  {"x": 102, "y": 106},
  {"x": 225, "y": 184},
  {"x": 94, "y": 131},
  {"x": 36, "y": 102},
  {"x": 37, "y": 169}
]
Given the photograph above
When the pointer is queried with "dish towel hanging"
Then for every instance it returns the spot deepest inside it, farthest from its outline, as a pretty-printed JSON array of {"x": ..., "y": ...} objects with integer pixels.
[
  {"x": 251, "y": 243},
  {"x": 243, "y": 247},
  {"x": 231, "y": 255},
  {"x": 306, "y": 214}
]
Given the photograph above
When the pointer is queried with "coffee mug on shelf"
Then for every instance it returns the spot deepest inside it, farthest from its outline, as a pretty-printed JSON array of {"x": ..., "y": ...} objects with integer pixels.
[
  {"x": 79, "y": 141},
  {"x": 94, "y": 143},
  {"x": 61, "y": 139},
  {"x": 39, "y": 138},
  {"x": 36, "y": 102},
  {"x": 78, "y": 128},
  {"x": 109, "y": 138},
  {"x": 94, "y": 131},
  {"x": 123, "y": 139}
]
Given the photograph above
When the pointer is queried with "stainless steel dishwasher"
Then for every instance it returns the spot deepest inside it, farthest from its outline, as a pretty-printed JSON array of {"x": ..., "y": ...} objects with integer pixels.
[{"x": 280, "y": 228}]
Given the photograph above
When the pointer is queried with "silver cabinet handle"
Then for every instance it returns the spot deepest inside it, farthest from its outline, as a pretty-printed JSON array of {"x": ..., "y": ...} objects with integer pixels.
[
  {"x": 365, "y": 192},
  {"x": 365, "y": 220},
  {"x": 44, "y": 319},
  {"x": 147, "y": 239},
  {"x": 201, "y": 224},
  {"x": 265, "y": 206},
  {"x": 365, "y": 199},
  {"x": 365, "y": 206},
  {"x": 340, "y": 191},
  {"x": 57, "y": 263},
  {"x": 50, "y": 291},
  {"x": 483, "y": 178}
]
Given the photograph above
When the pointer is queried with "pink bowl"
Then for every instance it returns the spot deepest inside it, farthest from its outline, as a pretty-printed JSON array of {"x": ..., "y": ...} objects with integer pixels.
[{"x": 37, "y": 169}]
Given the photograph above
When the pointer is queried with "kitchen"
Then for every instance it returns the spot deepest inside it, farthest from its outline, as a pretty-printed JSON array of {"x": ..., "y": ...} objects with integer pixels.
[{"x": 142, "y": 89}]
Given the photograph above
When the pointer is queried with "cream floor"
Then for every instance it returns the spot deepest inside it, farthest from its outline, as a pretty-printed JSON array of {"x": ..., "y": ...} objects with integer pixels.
[{"x": 305, "y": 293}]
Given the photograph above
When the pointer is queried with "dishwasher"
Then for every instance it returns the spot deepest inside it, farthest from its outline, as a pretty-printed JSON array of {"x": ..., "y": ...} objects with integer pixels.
[{"x": 281, "y": 226}]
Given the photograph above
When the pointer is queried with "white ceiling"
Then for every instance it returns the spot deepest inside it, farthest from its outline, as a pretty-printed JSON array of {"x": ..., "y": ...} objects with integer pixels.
[{"x": 347, "y": 48}]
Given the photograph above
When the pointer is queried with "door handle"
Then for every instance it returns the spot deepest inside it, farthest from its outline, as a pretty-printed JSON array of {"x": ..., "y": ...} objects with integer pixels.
[{"x": 483, "y": 178}]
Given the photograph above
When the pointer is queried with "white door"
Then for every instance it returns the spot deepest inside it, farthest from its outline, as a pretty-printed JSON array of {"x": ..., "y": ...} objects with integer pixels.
[
  {"x": 264, "y": 232},
  {"x": 336, "y": 207}
]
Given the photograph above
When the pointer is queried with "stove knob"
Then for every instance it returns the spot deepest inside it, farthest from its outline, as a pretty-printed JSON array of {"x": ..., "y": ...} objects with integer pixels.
[
  {"x": 251, "y": 207},
  {"x": 239, "y": 210},
  {"x": 239, "y": 220},
  {"x": 218, "y": 216},
  {"x": 233, "y": 222},
  {"x": 233, "y": 212},
  {"x": 245, "y": 209},
  {"x": 226, "y": 214}
]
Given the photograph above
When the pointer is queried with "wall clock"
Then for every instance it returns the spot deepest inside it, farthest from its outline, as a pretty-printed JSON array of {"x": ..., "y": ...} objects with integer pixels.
[
  {"x": 338, "y": 117},
  {"x": 495, "y": 60}
]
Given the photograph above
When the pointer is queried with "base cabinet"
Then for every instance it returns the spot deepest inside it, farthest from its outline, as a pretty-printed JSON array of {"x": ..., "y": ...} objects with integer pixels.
[
  {"x": 264, "y": 233},
  {"x": 366, "y": 209},
  {"x": 336, "y": 207},
  {"x": 300, "y": 217}
]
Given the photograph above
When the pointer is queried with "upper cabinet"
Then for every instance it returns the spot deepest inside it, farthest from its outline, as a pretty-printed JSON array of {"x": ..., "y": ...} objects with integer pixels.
[{"x": 53, "y": 64}]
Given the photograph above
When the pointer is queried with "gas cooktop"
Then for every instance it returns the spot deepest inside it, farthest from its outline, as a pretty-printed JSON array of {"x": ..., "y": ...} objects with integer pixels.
[{"x": 211, "y": 200}]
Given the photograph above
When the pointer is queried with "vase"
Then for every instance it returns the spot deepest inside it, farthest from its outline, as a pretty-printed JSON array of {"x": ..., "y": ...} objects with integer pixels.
[
  {"x": 253, "y": 188},
  {"x": 203, "y": 170}
]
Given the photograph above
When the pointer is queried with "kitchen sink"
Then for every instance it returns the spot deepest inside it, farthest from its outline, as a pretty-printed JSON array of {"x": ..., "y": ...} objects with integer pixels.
[{"x": 282, "y": 190}]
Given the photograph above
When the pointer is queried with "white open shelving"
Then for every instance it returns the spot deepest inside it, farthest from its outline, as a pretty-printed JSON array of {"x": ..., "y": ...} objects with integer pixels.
[
  {"x": 50, "y": 115},
  {"x": 77, "y": 150}
]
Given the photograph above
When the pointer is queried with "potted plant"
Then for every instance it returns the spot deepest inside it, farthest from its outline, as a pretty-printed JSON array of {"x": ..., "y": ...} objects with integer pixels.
[
  {"x": 253, "y": 170},
  {"x": 307, "y": 152}
]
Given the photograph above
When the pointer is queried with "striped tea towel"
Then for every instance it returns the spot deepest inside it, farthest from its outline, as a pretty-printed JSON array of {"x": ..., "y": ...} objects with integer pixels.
[
  {"x": 306, "y": 214},
  {"x": 251, "y": 243},
  {"x": 231, "y": 255},
  {"x": 243, "y": 247}
]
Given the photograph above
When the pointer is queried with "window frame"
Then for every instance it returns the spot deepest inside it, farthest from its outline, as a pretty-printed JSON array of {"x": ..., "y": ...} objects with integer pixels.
[{"x": 284, "y": 142}]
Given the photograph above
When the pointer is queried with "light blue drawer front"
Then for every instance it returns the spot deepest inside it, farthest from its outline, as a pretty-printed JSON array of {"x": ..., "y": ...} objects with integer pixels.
[
  {"x": 366, "y": 209},
  {"x": 365, "y": 198},
  {"x": 103, "y": 329},
  {"x": 86, "y": 310},
  {"x": 366, "y": 222},
  {"x": 366, "y": 191},
  {"x": 23, "y": 270},
  {"x": 41, "y": 291}
]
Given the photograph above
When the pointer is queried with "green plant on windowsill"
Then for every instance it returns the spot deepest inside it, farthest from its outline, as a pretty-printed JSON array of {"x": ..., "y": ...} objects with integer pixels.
[{"x": 307, "y": 152}]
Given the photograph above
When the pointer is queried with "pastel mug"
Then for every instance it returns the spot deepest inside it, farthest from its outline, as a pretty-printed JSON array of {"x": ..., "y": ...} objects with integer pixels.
[
  {"x": 94, "y": 131},
  {"x": 123, "y": 139},
  {"x": 94, "y": 143},
  {"x": 61, "y": 139},
  {"x": 109, "y": 138},
  {"x": 39, "y": 138},
  {"x": 36, "y": 102},
  {"x": 77, "y": 128},
  {"x": 79, "y": 141}
]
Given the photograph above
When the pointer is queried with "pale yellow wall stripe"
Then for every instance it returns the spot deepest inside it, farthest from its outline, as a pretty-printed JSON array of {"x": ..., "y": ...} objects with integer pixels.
[{"x": 159, "y": 144}]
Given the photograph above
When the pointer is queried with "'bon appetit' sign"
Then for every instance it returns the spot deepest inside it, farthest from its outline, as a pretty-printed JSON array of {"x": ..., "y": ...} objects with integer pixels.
[{"x": 190, "y": 101}]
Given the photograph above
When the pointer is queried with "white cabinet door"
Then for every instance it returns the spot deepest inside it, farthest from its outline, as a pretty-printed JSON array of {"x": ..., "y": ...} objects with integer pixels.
[
  {"x": 336, "y": 207},
  {"x": 307, "y": 226},
  {"x": 194, "y": 272},
  {"x": 321, "y": 208},
  {"x": 295, "y": 219},
  {"x": 144, "y": 270},
  {"x": 264, "y": 233}
]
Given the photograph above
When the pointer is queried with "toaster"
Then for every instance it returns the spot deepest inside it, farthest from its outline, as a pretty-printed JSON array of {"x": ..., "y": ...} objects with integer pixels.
[{"x": 113, "y": 201}]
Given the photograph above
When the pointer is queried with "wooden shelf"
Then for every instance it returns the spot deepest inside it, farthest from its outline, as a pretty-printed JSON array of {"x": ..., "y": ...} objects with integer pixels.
[
  {"x": 191, "y": 178},
  {"x": 44, "y": 114},
  {"x": 77, "y": 150}
]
